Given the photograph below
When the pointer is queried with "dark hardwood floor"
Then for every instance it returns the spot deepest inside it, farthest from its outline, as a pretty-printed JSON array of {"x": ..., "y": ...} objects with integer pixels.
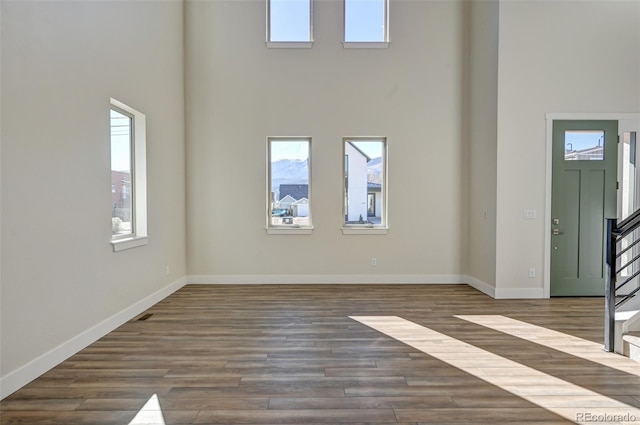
[{"x": 352, "y": 354}]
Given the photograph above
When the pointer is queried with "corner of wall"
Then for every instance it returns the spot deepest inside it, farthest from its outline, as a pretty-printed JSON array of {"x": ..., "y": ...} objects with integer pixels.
[{"x": 480, "y": 286}]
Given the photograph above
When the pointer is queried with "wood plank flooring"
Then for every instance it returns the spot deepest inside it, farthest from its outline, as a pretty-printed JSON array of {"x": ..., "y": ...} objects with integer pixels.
[{"x": 274, "y": 354}]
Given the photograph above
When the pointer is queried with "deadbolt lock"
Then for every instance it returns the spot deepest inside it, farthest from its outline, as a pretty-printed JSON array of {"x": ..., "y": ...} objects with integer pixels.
[{"x": 556, "y": 221}]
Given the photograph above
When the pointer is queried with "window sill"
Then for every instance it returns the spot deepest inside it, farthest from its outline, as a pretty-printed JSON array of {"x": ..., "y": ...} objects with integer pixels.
[
  {"x": 289, "y": 44},
  {"x": 122, "y": 244},
  {"x": 365, "y": 44},
  {"x": 359, "y": 230},
  {"x": 289, "y": 230}
]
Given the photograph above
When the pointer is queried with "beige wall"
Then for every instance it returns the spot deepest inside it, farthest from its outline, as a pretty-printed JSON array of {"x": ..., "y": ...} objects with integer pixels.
[
  {"x": 239, "y": 92},
  {"x": 482, "y": 142},
  {"x": 61, "y": 62},
  {"x": 554, "y": 57}
]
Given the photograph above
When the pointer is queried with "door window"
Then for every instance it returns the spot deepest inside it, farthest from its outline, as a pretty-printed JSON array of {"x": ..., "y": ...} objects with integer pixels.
[{"x": 584, "y": 145}]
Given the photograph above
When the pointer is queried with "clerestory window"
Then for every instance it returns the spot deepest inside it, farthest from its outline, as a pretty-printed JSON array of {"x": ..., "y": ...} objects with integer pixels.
[
  {"x": 289, "y": 23},
  {"x": 366, "y": 23}
]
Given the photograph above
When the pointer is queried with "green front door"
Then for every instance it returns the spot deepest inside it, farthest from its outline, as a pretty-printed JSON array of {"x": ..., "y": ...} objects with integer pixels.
[{"x": 583, "y": 195}]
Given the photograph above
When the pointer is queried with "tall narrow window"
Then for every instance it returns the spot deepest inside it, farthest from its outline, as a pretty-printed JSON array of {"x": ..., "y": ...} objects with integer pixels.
[
  {"x": 122, "y": 219},
  {"x": 128, "y": 177},
  {"x": 364, "y": 183},
  {"x": 289, "y": 23},
  {"x": 288, "y": 192},
  {"x": 366, "y": 21}
]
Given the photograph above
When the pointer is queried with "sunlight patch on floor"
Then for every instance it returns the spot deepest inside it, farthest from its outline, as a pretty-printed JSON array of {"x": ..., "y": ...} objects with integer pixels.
[
  {"x": 150, "y": 414},
  {"x": 577, "y": 404},
  {"x": 559, "y": 341}
]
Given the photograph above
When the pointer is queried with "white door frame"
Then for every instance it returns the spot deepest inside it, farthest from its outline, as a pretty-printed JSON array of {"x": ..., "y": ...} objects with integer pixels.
[{"x": 550, "y": 117}]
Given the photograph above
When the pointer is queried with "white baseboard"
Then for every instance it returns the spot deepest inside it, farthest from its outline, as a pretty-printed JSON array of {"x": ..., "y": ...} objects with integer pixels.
[
  {"x": 519, "y": 293},
  {"x": 325, "y": 279},
  {"x": 480, "y": 286},
  {"x": 27, "y": 373},
  {"x": 504, "y": 293}
]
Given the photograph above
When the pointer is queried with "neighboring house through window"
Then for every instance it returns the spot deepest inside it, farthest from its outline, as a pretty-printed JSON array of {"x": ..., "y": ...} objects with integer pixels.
[
  {"x": 364, "y": 183},
  {"x": 128, "y": 177}
]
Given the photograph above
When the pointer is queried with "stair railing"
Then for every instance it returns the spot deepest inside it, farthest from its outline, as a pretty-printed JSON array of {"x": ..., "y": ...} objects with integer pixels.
[{"x": 622, "y": 270}]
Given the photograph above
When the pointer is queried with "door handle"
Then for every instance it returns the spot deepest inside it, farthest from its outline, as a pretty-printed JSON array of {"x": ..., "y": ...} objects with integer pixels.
[{"x": 557, "y": 232}]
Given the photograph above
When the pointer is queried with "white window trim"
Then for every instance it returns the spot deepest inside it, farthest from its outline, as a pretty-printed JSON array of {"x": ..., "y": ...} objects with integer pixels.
[
  {"x": 139, "y": 208},
  {"x": 131, "y": 242},
  {"x": 350, "y": 230},
  {"x": 286, "y": 229},
  {"x": 365, "y": 44},
  {"x": 289, "y": 44},
  {"x": 307, "y": 230},
  {"x": 368, "y": 229}
]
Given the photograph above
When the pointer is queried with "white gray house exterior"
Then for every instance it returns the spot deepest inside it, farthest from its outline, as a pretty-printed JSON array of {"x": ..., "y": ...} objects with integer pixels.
[{"x": 355, "y": 183}]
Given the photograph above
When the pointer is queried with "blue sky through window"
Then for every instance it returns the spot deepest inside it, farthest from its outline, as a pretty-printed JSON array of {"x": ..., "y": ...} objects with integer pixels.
[
  {"x": 120, "y": 142},
  {"x": 289, "y": 149},
  {"x": 364, "y": 21},
  {"x": 290, "y": 20},
  {"x": 576, "y": 140},
  {"x": 372, "y": 148}
]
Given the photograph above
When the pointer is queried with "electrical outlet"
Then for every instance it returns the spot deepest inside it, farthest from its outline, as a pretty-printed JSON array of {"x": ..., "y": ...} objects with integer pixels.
[
  {"x": 167, "y": 271},
  {"x": 374, "y": 261},
  {"x": 532, "y": 272}
]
